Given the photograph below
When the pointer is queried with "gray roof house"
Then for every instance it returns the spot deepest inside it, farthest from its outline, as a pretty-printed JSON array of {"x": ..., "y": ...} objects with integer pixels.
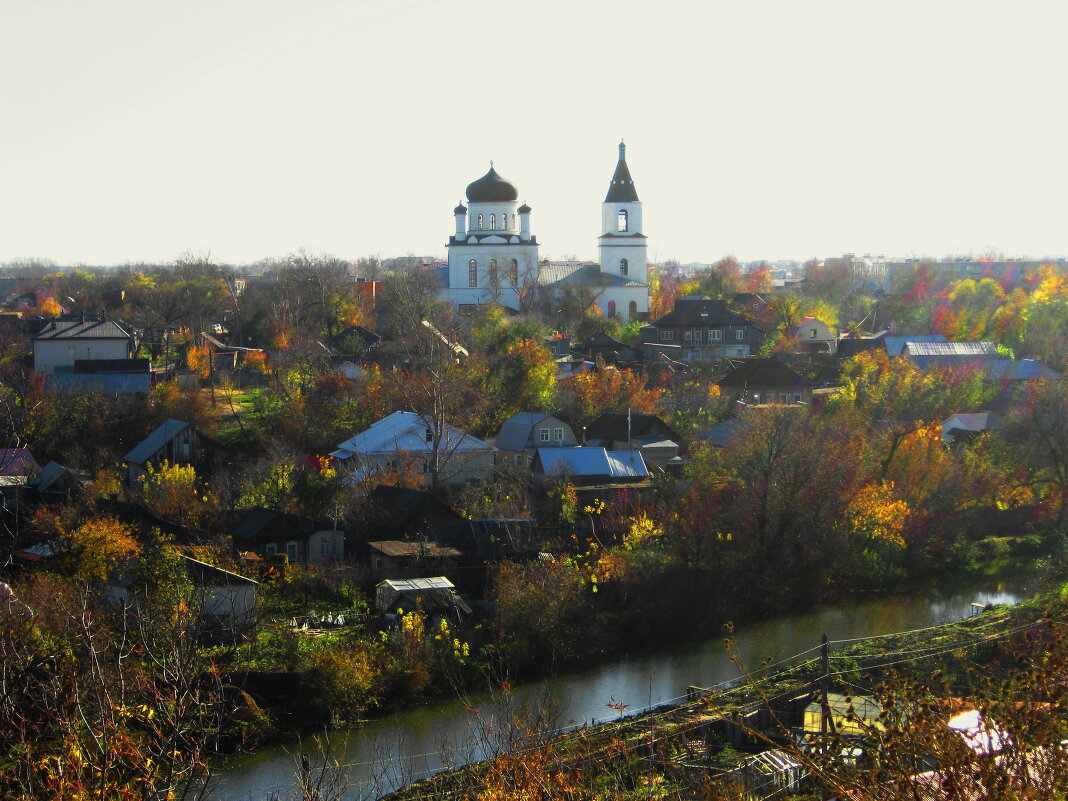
[
  {"x": 524, "y": 432},
  {"x": 174, "y": 441}
]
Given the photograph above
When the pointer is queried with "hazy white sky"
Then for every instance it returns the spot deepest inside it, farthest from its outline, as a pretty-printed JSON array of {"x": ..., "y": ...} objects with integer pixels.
[{"x": 141, "y": 130}]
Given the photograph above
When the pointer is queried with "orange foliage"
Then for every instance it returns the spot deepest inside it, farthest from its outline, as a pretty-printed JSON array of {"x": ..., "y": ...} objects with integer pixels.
[
  {"x": 49, "y": 307},
  {"x": 198, "y": 360},
  {"x": 607, "y": 389},
  {"x": 256, "y": 360}
]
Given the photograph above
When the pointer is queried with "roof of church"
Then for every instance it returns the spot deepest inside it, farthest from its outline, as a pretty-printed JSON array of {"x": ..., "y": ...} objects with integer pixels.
[
  {"x": 460, "y": 209},
  {"x": 581, "y": 274},
  {"x": 491, "y": 188},
  {"x": 524, "y": 209},
  {"x": 622, "y": 190}
]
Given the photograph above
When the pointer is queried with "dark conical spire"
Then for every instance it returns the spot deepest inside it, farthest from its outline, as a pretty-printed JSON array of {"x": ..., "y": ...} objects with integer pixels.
[{"x": 622, "y": 190}]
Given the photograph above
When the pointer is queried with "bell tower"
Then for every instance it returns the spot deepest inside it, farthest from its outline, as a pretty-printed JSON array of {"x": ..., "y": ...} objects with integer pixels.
[{"x": 622, "y": 245}]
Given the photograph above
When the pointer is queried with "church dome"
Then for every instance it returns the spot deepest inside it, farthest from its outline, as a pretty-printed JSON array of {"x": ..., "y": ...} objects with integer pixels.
[
  {"x": 491, "y": 188},
  {"x": 461, "y": 209},
  {"x": 524, "y": 209}
]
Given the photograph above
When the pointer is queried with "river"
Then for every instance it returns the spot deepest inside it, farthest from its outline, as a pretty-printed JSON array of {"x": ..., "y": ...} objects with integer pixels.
[{"x": 389, "y": 753}]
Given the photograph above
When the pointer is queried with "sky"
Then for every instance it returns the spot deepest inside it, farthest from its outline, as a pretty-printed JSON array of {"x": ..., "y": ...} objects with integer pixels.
[{"x": 249, "y": 129}]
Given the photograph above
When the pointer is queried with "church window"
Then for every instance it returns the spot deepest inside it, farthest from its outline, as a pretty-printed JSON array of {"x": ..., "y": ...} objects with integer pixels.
[
  {"x": 493, "y": 272},
  {"x": 513, "y": 272},
  {"x": 621, "y": 221},
  {"x": 479, "y": 222},
  {"x": 472, "y": 273},
  {"x": 513, "y": 222},
  {"x": 623, "y": 266},
  {"x": 632, "y": 309},
  {"x": 493, "y": 221}
]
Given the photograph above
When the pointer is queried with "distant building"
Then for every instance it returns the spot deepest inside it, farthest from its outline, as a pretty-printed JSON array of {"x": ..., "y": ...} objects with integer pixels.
[
  {"x": 705, "y": 329},
  {"x": 493, "y": 254}
]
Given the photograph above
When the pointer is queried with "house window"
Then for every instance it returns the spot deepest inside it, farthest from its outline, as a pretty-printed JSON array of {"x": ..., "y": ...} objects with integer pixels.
[
  {"x": 272, "y": 548},
  {"x": 797, "y": 397},
  {"x": 739, "y": 334},
  {"x": 558, "y": 435},
  {"x": 632, "y": 309},
  {"x": 687, "y": 336},
  {"x": 472, "y": 273},
  {"x": 426, "y": 467},
  {"x": 479, "y": 222},
  {"x": 621, "y": 220},
  {"x": 623, "y": 266},
  {"x": 715, "y": 334},
  {"x": 551, "y": 434},
  {"x": 812, "y": 333},
  {"x": 493, "y": 272},
  {"x": 667, "y": 335},
  {"x": 429, "y": 433},
  {"x": 513, "y": 272},
  {"x": 326, "y": 547},
  {"x": 493, "y": 221},
  {"x": 292, "y": 549}
]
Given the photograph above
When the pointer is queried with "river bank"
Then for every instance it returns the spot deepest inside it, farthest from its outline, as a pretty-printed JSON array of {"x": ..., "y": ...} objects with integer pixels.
[{"x": 390, "y": 752}]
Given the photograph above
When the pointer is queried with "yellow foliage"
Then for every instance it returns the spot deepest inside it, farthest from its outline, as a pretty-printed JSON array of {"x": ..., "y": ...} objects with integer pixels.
[
  {"x": 875, "y": 513},
  {"x": 642, "y": 531}
]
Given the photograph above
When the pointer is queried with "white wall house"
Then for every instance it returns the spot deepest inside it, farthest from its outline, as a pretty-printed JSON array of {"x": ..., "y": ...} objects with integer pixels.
[
  {"x": 404, "y": 439},
  {"x": 62, "y": 342},
  {"x": 493, "y": 256}
]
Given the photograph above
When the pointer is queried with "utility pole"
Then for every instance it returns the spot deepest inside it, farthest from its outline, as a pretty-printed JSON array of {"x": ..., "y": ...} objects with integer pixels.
[{"x": 825, "y": 687}]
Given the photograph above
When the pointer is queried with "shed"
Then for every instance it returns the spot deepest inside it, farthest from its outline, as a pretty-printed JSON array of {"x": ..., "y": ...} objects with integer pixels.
[
  {"x": 435, "y": 595},
  {"x": 591, "y": 465},
  {"x": 866, "y": 711}
]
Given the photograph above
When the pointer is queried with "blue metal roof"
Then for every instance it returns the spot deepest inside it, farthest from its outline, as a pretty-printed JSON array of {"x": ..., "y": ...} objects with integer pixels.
[{"x": 144, "y": 450}]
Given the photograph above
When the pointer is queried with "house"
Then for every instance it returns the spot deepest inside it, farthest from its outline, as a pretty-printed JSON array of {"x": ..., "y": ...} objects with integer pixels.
[
  {"x": 56, "y": 480},
  {"x": 62, "y": 342},
  {"x": 174, "y": 441},
  {"x": 609, "y": 350},
  {"x": 965, "y": 427},
  {"x": 815, "y": 336},
  {"x": 435, "y": 596},
  {"x": 394, "y": 559},
  {"x": 722, "y": 435},
  {"x": 707, "y": 330},
  {"x": 524, "y": 432},
  {"x": 355, "y": 339},
  {"x": 895, "y": 344},
  {"x": 656, "y": 440},
  {"x": 18, "y": 462},
  {"x": 589, "y": 466},
  {"x": 850, "y": 344},
  {"x": 225, "y": 601},
  {"x": 267, "y": 532},
  {"x": 948, "y": 354},
  {"x": 408, "y": 438},
  {"x": 766, "y": 381},
  {"x": 397, "y": 513}
]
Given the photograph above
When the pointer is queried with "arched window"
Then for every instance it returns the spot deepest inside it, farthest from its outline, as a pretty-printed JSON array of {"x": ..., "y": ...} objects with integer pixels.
[
  {"x": 621, "y": 221},
  {"x": 472, "y": 273},
  {"x": 493, "y": 272},
  {"x": 479, "y": 222},
  {"x": 513, "y": 222},
  {"x": 632, "y": 310},
  {"x": 513, "y": 272},
  {"x": 623, "y": 266},
  {"x": 493, "y": 221}
]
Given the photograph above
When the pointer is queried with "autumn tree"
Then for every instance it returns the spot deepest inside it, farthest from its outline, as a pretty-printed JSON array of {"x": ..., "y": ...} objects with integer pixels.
[{"x": 606, "y": 389}]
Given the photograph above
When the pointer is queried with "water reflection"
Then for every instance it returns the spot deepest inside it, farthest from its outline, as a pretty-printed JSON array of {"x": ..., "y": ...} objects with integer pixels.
[{"x": 392, "y": 752}]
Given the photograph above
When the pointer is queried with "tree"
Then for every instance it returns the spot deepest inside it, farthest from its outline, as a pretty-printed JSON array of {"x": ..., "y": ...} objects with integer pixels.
[
  {"x": 606, "y": 389},
  {"x": 1037, "y": 429}
]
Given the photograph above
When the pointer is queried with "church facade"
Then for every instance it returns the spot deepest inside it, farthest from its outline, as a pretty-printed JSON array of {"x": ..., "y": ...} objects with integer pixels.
[{"x": 493, "y": 255}]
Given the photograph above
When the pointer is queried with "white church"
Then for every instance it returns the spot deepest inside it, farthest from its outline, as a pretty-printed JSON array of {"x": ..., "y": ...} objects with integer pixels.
[{"x": 493, "y": 256}]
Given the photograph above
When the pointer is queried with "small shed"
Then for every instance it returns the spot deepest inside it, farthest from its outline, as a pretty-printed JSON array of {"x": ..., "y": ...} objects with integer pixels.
[
  {"x": 770, "y": 774},
  {"x": 435, "y": 596}
]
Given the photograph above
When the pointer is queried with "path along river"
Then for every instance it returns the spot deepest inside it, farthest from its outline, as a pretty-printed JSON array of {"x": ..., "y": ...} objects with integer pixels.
[{"x": 386, "y": 754}]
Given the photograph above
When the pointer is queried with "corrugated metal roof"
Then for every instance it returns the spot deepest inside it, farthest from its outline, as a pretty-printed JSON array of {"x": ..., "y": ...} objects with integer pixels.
[
  {"x": 581, "y": 274},
  {"x": 949, "y": 348},
  {"x": 405, "y": 432},
  {"x": 83, "y": 329},
  {"x": 418, "y": 584},
  {"x": 895, "y": 344},
  {"x": 593, "y": 462},
  {"x": 430, "y": 550},
  {"x": 163, "y": 434}
]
